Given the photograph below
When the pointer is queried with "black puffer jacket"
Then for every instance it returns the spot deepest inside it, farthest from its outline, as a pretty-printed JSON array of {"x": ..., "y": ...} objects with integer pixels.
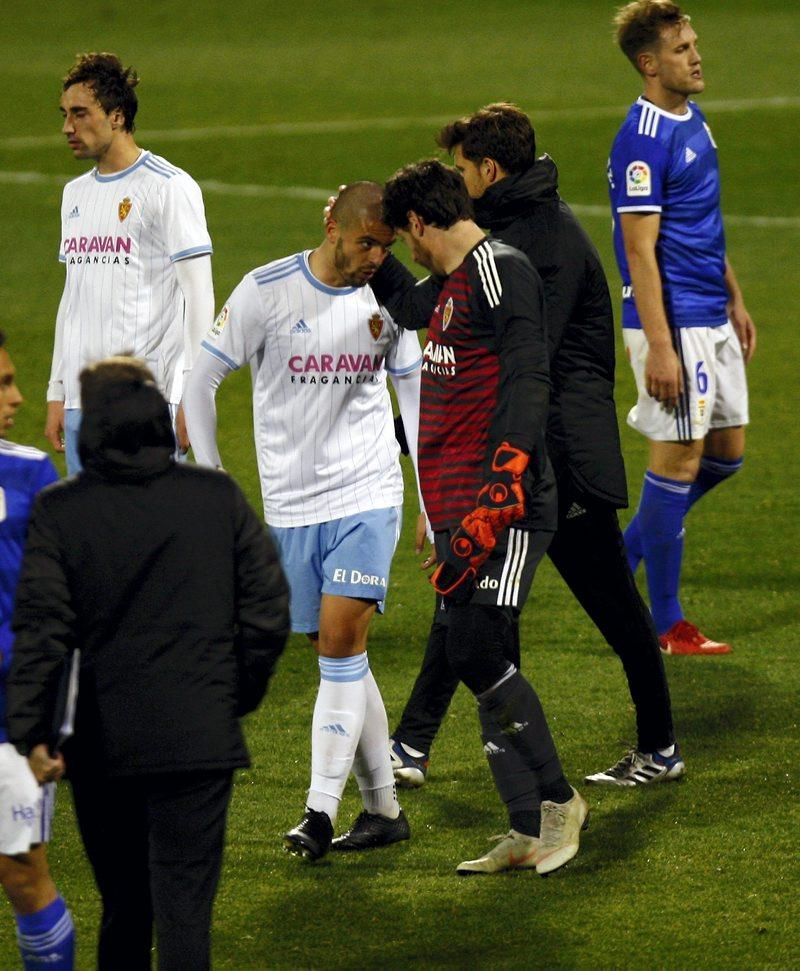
[
  {"x": 525, "y": 211},
  {"x": 168, "y": 583}
]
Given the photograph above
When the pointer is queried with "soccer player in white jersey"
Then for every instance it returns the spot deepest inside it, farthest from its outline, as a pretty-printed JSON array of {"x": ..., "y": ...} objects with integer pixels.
[
  {"x": 44, "y": 926},
  {"x": 320, "y": 346},
  {"x": 135, "y": 247},
  {"x": 687, "y": 331}
]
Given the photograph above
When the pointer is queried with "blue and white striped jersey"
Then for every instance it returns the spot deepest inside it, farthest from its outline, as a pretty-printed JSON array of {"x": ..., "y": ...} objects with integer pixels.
[
  {"x": 666, "y": 163},
  {"x": 120, "y": 236},
  {"x": 319, "y": 356},
  {"x": 23, "y": 472}
]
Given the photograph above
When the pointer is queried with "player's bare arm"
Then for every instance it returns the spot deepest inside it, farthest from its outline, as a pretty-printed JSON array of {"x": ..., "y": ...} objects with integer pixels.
[
  {"x": 663, "y": 373},
  {"x": 738, "y": 315},
  {"x": 54, "y": 425}
]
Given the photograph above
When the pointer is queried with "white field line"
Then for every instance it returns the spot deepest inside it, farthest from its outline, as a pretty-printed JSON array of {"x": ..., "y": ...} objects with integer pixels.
[
  {"x": 320, "y": 195},
  {"x": 352, "y": 125}
]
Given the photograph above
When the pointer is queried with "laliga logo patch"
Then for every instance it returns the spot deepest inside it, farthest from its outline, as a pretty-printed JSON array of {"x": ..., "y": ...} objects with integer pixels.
[
  {"x": 124, "y": 209},
  {"x": 219, "y": 324},
  {"x": 376, "y": 326},
  {"x": 447, "y": 316},
  {"x": 637, "y": 179}
]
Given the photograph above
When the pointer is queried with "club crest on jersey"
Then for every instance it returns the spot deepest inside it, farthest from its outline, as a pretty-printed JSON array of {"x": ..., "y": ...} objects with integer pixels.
[
  {"x": 219, "y": 324},
  {"x": 124, "y": 209},
  {"x": 637, "y": 179},
  {"x": 447, "y": 316},
  {"x": 376, "y": 326}
]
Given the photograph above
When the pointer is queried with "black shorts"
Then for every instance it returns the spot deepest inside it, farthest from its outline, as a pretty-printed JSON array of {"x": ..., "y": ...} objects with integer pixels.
[{"x": 505, "y": 578}]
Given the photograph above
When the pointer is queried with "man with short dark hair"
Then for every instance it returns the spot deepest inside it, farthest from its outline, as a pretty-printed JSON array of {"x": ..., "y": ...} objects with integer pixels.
[
  {"x": 321, "y": 347},
  {"x": 135, "y": 247},
  {"x": 489, "y": 493},
  {"x": 687, "y": 331},
  {"x": 515, "y": 195},
  {"x": 45, "y": 933},
  {"x": 165, "y": 579}
]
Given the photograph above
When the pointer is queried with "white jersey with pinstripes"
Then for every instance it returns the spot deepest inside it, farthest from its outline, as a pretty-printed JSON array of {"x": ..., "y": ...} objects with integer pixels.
[
  {"x": 319, "y": 355},
  {"x": 120, "y": 236}
]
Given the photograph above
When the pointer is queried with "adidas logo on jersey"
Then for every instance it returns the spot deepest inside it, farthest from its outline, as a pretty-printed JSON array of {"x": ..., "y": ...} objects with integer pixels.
[
  {"x": 74, "y": 214},
  {"x": 689, "y": 156},
  {"x": 575, "y": 510},
  {"x": 301, "y": 327}
]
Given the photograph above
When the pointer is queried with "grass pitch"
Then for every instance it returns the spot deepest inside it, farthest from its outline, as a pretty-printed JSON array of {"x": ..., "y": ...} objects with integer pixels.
[{"x": 272, "y": 105}]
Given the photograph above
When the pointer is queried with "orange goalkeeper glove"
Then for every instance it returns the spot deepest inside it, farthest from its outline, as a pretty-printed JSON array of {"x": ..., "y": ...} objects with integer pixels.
[{"x": 500, "y": 502}]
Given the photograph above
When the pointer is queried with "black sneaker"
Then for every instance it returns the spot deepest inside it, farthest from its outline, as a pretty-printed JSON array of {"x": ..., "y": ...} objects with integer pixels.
[
  {"x": 371, "y": 830},
  {"x": 311, "y": 837}
]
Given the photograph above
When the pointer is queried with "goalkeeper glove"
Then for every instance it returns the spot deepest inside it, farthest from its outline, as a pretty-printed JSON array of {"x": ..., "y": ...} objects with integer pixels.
[
  {"x": 454, "y": 576},
  {"x": 500, "y": 502}
]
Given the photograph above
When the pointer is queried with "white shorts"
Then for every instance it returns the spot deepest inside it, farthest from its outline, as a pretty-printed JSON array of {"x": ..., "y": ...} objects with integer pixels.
[
  {"x": 26, "y": 808},
  {"x": 715, "y": 395}
]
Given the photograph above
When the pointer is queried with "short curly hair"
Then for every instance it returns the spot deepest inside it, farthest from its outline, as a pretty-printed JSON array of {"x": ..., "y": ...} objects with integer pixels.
[
  {"x": 429, "y": 188},
  {"x": 113, "y": 84}
]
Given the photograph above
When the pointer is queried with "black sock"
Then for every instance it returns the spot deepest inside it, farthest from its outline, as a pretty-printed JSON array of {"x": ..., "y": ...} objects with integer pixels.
[
  {"x": 516, "y": 709},
  {"x": 527, "y": 823},
  {"x": 514, "y": 780}
]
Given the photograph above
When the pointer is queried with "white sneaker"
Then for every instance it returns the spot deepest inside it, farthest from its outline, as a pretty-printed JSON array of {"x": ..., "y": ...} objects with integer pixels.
[
  {"x": 562, "y": 823},
  {"x": 514, "y": 851}
]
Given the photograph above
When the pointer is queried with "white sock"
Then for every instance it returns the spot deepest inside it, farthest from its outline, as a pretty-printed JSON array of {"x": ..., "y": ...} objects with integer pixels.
[
  {"x": 336, "y": 729},
  {"x": 372, "y": 766},
  {"x": 667, "y": 752}
]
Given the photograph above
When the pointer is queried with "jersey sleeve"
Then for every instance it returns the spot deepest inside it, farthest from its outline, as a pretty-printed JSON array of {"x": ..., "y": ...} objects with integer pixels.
[
  {"x": 404, "y": 355},
  {"x": 62, "y": 258},
  {"x": 239, "y": 331},
  {"x": 638, "y": 170},
  {"x": 184, "y": 219},
  {"x": 45, "y": 474},
  {"x": 410, "y": 301},
  {"x": 515, "y": 295}
]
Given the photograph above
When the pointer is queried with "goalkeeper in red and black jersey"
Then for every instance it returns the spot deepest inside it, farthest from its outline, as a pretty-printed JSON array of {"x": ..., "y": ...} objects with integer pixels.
[
  {"x": 515, "y": 195},
  {"x": 488, "y": 490}
]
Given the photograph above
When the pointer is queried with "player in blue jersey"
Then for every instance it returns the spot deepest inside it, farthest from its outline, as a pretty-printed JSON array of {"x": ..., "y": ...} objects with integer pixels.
[
  {"x": 687, "y": 332},
  {"x": 44, "y": 926}
]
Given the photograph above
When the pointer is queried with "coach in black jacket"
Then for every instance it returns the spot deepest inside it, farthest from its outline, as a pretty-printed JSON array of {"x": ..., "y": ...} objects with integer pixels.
[
  {"x": 515, "y": 195},
  {"x": 167, "y": 582}
]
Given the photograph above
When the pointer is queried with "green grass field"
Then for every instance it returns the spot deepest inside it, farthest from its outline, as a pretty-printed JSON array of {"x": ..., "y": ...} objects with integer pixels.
[{"x": 270, "y": 106}]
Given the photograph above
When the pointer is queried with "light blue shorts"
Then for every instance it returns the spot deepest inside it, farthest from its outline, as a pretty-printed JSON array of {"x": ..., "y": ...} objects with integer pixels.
[
  {"x": 347, "y": 557},
  {"x": 72, "y": 426}
]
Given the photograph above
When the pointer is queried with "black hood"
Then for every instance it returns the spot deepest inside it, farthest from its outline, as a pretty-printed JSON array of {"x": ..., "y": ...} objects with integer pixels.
[
  {"x": 126, "y": 431},
  {"x": 516, "y": 195}
]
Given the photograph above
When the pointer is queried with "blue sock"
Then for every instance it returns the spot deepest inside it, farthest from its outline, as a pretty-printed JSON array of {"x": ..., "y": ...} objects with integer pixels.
[
  {"x": 712, "y": 472},
  {"x": 633, "y": 544},
  {"x": 661, "y": 511},
  {"x": 46, "y": 939}
]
